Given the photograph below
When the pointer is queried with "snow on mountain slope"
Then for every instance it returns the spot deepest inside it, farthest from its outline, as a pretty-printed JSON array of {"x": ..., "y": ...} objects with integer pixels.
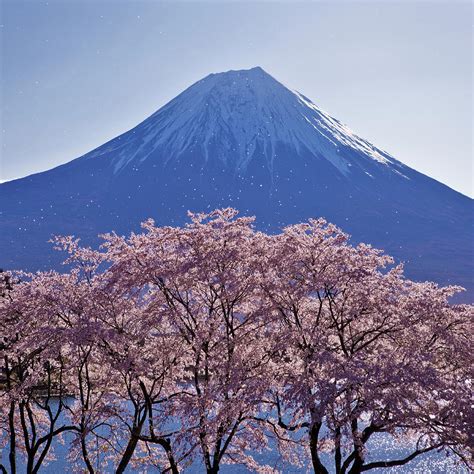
[
  {"x": 242, "y": 139},
  {"x": 248, "y": 108}
]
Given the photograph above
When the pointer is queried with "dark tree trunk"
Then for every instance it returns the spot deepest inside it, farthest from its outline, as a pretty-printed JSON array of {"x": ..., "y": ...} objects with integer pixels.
[
  {"x": 128, "y": 453},
  {"x": 356, "y": 466},
  {"x": 337, "y": 454},
  {"x": 318, "y": 466},
  {"x": 169, "y": 453},
  {"x": 85, "y": 454},
  {"x": 12, "y": 454}
]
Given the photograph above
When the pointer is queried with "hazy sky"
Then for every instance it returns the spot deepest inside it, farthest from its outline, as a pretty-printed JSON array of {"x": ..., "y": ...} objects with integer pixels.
[{"x": 77, "y": 73}]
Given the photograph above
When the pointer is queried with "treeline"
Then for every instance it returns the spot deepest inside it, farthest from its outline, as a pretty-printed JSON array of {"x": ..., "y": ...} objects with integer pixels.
[{"x": 213, "y": 343}]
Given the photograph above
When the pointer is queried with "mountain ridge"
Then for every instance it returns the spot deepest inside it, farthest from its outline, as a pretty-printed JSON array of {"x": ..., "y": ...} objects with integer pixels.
[{"x": 242, "y": 139}]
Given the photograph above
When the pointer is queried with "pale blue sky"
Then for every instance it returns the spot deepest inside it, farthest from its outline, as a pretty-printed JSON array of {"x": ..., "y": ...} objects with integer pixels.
[{"x": 77, "y": 73}]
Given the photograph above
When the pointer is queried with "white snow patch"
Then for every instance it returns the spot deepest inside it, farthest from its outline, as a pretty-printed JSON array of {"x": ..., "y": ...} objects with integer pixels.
[{"x": 235, "y": 113}]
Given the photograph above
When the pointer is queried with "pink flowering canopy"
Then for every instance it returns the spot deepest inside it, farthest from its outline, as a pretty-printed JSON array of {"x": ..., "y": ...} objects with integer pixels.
[{"x": 214, "y": 344}]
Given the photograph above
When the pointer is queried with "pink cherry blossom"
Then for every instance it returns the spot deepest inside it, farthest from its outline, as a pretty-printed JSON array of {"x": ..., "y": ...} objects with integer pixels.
[{"x": 212, "y": 343}]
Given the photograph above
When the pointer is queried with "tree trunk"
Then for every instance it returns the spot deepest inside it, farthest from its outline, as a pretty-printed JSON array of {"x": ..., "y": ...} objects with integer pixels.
[
  {"x": 337, "y": 454},
  {"x": 85, "y": 454},
  {"x": 358, "y": 452},
  {"x": 12, "y": 454},
  {"x": 128, "y": 453},
  {"x": 313, "y": 445},
  {"x": 165, "y": 443},
  {"x": 356, "y": 466}
]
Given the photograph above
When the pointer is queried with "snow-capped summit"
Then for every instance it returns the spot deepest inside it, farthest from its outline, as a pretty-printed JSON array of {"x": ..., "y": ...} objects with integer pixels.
[
  {"x": 242, "y": 139},
  {"x": 235, "y": 113}
]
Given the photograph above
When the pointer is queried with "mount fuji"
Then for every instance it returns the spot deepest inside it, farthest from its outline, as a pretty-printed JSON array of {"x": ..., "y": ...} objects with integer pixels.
[{"x": 242, "y": 139}]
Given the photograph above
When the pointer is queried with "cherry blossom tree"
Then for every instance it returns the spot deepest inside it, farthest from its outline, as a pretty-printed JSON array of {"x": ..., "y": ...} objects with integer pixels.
[
  {"x": 203, "y": 277},
  {"x": 73, "y": 339},
  {"x": 363, "y": 350},
  {"x": 213, "y": 342},
  {"x": 31, "y": 376}
]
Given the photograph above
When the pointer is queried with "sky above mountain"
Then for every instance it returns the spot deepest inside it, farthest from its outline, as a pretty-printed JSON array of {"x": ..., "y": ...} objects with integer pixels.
[{"x": 76, "y": 74}]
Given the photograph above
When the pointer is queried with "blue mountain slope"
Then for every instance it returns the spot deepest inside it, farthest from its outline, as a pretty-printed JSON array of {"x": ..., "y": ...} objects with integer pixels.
[{"x": 242, "y": 139}]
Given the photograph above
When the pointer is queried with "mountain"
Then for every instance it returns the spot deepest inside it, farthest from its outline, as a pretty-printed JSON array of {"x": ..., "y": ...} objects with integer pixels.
[{"x": 242, "y": 139}]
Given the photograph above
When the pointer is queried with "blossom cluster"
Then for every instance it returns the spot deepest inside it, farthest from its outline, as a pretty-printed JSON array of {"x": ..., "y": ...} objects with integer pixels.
[{"x": 213, "y": 343}]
